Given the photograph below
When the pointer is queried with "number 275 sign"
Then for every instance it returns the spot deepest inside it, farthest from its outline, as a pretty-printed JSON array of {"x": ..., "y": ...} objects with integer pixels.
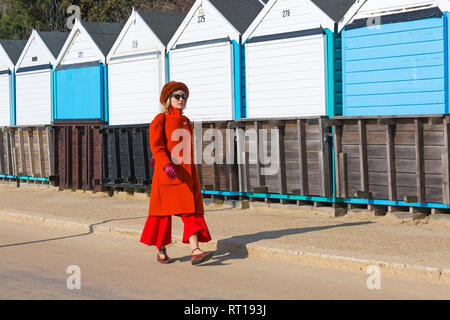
[{"x": 201, "y": 18}]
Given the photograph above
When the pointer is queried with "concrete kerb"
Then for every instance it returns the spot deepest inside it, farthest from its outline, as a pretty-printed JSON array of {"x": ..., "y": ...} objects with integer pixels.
[
  {"x": 436, "y": 275},
  {"x": 440, "y": 217}
]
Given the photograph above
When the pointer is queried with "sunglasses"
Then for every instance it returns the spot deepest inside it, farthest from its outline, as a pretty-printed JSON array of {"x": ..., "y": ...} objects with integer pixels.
[{"x": 179, "y": 96}]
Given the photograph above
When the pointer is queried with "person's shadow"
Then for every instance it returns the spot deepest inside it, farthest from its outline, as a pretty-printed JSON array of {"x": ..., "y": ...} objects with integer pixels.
[{"x": 236, "y": 246}]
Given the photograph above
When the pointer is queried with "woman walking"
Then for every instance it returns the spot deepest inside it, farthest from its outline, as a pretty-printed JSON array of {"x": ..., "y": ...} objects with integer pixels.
[{"x": 175, "y": 185}]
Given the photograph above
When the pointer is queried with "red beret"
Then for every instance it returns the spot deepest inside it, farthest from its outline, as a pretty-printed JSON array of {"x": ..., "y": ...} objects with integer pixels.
[{"x": 170, "y": 88}]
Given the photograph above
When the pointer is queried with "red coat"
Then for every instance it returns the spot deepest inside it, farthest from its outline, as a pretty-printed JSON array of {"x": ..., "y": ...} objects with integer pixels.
[{"x": 182, "y": 195}]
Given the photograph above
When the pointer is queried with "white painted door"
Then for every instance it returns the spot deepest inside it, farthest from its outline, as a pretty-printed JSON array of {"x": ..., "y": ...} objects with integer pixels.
[
  {"x": 134, "y": 88},
  {"x": 286, "y": 78},
  {"x": 5, "y": 107},
  {"x": 208, "y": 73},
  {"x": 33, "y": 98}
]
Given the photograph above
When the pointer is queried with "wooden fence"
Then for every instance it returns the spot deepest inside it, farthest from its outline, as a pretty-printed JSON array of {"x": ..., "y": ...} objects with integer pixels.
[
  {"x": 126, "y": 157},
  {"x": 299, "y": 150},
  {"x": 27, "y": 152},
  {"x": 6, "y": 163},
  {"x": 392, "y": 158},
  {"x": 78, "y": 155},
  {"x": 212, "y": 144},
  {"x": 127, "y": 154}
]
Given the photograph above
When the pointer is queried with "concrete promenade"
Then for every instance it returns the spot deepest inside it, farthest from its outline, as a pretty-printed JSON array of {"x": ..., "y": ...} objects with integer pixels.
[{"x": 401, "y": 246}]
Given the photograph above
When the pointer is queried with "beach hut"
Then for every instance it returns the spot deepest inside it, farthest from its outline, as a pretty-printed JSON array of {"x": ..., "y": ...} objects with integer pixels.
[
  {"x": 81, "y": 85},
  {"x": 81, "y": 98},
  {"x": 293, "y": 59},
  {"x": 395, "y": 58},
  {"x": 34, "y": 71},
  {"x": 10, "y": 51},
  {"x": 206, "y": 54},
  {"x": 137, "y": 66}
]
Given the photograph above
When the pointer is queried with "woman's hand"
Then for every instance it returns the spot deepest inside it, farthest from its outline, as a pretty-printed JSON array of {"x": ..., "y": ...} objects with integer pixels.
[{"x": 170, "y": 171}]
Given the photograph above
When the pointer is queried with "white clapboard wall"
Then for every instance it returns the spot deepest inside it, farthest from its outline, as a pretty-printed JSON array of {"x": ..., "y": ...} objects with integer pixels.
[
  {"x": 33, "y": 96},
  {"x": 82, "y": 49},
  {"x": 207, "y": 72},
  {"x": 33, "y": 88},
  {"x": 134, "y": 86},
  {"x": 5, "y": 106},
  {"x": 286, "y": 76},
  {"x": 201, "y": 55},
  {"x": 282, "y": 16},
  {"x": 10, "y": 51},
  {"x": 137, "y": 72},
  {"x": 204, "y": 25},
  {"x": 35, "y": 53}
]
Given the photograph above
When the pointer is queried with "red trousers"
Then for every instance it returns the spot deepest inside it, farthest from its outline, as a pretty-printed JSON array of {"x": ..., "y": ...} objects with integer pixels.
[{"x": 158, "y": 230}]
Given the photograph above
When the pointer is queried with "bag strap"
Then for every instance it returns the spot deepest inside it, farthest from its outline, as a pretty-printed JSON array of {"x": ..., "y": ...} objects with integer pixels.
[{"x": 164, "y": 130}]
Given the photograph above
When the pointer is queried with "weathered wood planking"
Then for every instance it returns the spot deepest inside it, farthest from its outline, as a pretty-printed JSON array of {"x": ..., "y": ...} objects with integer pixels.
[
  {"x": 363, "y": 160},
  {"x": 325, "y": 160},
  {"x": 216, "y": 155},
  {"x": 394, "y": 158},
  {"x": 31, "y": 152},
  {"x": 390, "y": 162},
  {"x": 3, "y": 152},
  {"x": 302, "y": 158},
  {"x": 26, "y": 152},
  {"x": 446, "y": 161},
  {"x": 126, "y": 155},
  {"x": 21, "y": 150},
  {"x": 142, "y": 156},
  {"x": 298, "y": 148},
  {"x": 78, "y": 157},
  {"x": 420, "y": 170}
]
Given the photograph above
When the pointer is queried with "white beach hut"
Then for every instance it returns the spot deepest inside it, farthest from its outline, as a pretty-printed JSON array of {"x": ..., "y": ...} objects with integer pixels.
[
  {"x": 10, "y": 51},
  {"x": 293, "y": 59},
  {"x": 81, "y": 76},
  {"x": 206, "y": 54},
  {"x": 34, "y": 73},
  {"x": 137, "y": 65}
]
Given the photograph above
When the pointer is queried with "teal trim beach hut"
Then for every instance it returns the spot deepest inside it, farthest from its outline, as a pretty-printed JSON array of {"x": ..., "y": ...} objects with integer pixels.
[{"x": 81, "y": 75}]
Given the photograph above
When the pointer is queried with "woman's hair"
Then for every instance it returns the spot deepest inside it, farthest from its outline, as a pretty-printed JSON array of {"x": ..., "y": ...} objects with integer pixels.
[{"x": 166, "y": 105}]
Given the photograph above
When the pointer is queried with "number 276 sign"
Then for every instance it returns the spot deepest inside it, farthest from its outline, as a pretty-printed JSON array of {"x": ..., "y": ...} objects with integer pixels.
[{"x": 286, "y": 13}]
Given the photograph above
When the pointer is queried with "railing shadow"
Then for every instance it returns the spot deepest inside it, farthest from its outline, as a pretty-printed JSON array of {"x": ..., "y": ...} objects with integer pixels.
[{"x": 91, "y": 231}]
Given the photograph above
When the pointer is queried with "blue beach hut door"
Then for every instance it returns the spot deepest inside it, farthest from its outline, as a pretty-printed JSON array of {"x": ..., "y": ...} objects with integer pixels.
[{"x": 80, "y": 93}]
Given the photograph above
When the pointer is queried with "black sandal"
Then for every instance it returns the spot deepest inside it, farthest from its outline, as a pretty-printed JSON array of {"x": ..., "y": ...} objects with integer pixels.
[{"x": 166, "y": 260}]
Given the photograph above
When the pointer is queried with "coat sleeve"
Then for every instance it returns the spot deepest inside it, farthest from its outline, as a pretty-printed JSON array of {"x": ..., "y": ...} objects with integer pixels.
[{"x": 157, "y": 145}]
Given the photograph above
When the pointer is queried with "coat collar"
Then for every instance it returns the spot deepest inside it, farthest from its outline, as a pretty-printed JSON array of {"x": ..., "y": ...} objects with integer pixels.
[{"x": 175, "y": 112}]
